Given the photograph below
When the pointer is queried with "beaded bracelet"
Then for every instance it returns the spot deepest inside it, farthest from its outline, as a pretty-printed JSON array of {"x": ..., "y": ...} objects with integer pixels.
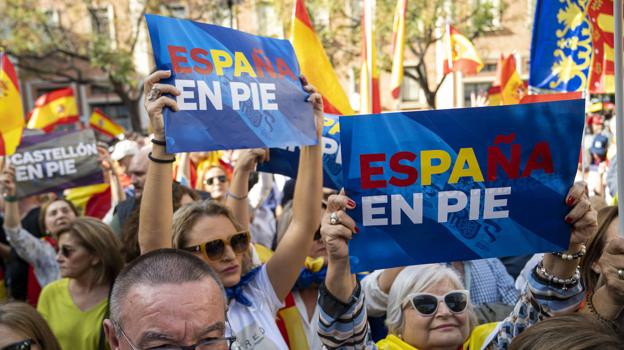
[
  {"x": 590, "y": 306},
  {"x": 555, "y": 281},
  {"x": 574, "y": 256}
]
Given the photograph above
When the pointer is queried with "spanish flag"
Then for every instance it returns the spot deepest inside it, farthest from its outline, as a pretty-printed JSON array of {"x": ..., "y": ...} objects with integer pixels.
[
  {"x": 602, "y": 72},
  {"x": 315, "y": 64},
  {"x": 398, "y": 45},
  {"x": 461, "y": 55},
  {"x": 54, "y": 108},
  {"x": 494, "y": 96},
  {"x": 512, "y": 86},
  {"x": 369, "y": 74},
  {"x": 102, "y": 123},
  {"x": 11, "y": 112}
]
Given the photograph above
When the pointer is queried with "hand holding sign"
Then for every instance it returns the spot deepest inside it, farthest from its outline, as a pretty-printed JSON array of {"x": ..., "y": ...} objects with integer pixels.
[
  {"x": 317, "y": 103},
  {"x": 582, "y": 217},
  {"x": 337, "y": 227},
  {"x": 7, "y": 180},
  {"x": 155, "y": 102}
]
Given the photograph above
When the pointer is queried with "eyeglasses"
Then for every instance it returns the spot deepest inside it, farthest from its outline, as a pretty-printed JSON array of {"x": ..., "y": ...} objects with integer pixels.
[
  {"x": 214, "y": 250},
  {"x": 220, "y": 179},
  {"x": 204, "y": 344},
  {"x": 427, "y": 304},
  {"x": 20, "y": 345},
  {"x": 66, "y": 251}
]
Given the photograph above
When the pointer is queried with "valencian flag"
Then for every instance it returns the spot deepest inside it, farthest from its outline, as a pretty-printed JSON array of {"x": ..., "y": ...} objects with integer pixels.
[
  {"x": 602, "y": 72},
  {"x": 315, "y": 64},
  {"x": 104, "y": 124},
  {"x": 461, "y": 55},
  {"x": 398, "y": 46},
  {"x": 369, "y": 74},
  {"x": 53, "y": 109},
  {"x": 11, "y": 112},
  {"x": 561, "y": 47},
  {"x": 512, "y": 86}
]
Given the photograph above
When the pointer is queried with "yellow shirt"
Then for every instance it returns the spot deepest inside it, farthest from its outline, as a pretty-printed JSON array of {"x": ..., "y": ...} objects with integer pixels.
[
  {"x": 475, "y": 342},
  {"x": 73, "y": 328}
]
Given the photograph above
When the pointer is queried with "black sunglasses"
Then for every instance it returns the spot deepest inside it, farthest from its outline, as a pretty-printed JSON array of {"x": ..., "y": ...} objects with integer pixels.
[
  {"x": 427, "y": 304},
  {"x": 211, "y": 180},
  {"x": 20, "y": 345},
  {"x": 215, "y": 249},
  {"x": 66, "y": 252}
]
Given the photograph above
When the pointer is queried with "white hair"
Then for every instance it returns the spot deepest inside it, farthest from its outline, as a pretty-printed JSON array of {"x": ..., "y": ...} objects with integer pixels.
[{"x": 414, "y": 279}]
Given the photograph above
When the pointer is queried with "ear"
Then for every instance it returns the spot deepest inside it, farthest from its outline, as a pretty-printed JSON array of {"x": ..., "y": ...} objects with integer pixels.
[
  {"x": 110, "y": 334},
  {"x": 95, "y": 260}
]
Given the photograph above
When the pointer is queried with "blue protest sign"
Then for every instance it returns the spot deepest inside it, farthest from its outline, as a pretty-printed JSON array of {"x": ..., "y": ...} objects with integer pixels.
[
  {"x": 285, "y": 161},
  {"x": 460, "y": 184},
  {"x": 238, "y": 90}
]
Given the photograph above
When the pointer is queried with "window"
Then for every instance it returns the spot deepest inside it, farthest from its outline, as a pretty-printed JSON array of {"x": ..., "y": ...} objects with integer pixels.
[
  {"x": 410, "y": 88},
  {"x": 175, "y": 10},
  {"x": 489, "y": 67},
  {"x": 102, "y": 21},
  {"x": 477, "y": 89},
  {"x": 116, "y": 111}
]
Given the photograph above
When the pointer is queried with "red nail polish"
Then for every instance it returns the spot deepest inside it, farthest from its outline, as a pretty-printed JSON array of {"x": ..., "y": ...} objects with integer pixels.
[
  {"x": 570, "y": 200},
  {"x": 568, "y": 220},
  {"x": 356, "y": 229},
  {"x": 351, "y": 203}
]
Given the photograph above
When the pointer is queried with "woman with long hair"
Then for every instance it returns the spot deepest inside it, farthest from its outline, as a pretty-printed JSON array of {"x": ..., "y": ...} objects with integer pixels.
[{"x": 23, "y": 328}]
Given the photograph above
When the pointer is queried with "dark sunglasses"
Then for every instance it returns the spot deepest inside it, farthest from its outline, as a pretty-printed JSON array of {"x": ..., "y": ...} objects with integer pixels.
[
  {"x": 20, "y": 345},
  {"x": 66, "y": 252},
  {"x": 214, "y": 250},
  {"x": 211, "y": 180},
  {"x": 427, "y": 304}
]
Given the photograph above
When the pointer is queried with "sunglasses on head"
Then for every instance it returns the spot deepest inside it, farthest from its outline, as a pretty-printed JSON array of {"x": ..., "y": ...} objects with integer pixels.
[
  {"x": 215, "y": 250},
  {"x": 211, "y": 180},
  {"x": 20, "y": 345},
  {"x": 427, "y": 304}
]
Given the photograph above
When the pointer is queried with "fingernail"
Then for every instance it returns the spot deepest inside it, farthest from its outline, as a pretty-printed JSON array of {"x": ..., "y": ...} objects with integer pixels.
[
  {"x": 568, "y": 220},
  {"x": 351, "y": 203},
  {"x": 570, "y": 200},
  {"x": 356, "y": 229}
]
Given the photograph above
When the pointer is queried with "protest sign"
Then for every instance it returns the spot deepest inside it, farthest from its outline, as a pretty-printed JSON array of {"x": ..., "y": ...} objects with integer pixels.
[
  {"x": 56, "y": 161},
  {"x": 461, "y": 184},
  {"x": 238, "y": 90},
  {"x": 285, "y": 161}
]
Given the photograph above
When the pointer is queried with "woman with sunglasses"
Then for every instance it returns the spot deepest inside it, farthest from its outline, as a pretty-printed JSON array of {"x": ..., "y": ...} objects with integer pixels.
[
  {"x": 428, "y": 307},
  {"x": 89, "y": 259},
  {"x": 55, "y": 215},
  {"x": 23, "y": 328},
  {"x": 221, "y": 238}
]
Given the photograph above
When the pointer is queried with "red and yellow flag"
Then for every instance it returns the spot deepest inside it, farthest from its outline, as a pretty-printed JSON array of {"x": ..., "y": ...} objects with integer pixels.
[
  {"x": 11, "y": 113},
  {"x": 369, "y": 74},
  {"x": 54, "y": 108},
  {"x": 461, "y": 55},
  {"x": 102, "y": 123},
  {"x": 512, "y": 86},
  {"x": 602, "y": 72},
  {"x": 398, "y": 45},
  {"x": 315, "y": 64},
  {"x": 494, "y": 96}
]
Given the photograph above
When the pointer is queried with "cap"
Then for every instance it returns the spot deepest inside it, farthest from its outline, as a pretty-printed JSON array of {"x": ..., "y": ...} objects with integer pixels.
[{"x": 124, "y": 148}]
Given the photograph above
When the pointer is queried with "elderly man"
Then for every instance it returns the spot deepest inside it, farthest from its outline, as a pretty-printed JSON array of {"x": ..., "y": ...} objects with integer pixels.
[{"x": 167, "y": 298}]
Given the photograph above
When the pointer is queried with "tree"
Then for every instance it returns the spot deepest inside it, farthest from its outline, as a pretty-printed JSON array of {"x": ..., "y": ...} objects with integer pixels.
[{"x": 73, "y": 43}]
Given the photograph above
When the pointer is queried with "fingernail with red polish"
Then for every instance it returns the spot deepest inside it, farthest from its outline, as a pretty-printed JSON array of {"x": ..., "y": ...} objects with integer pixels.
[
  {"x": 568, "y": 220},
  {"x": 351, "y": 203},
  {"x": 356, "y": 229},
  {"x": 570, "y": 200}
]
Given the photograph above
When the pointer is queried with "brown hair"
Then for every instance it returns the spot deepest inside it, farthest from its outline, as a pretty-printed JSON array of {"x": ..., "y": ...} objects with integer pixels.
[
  {"x": 24, "y": 319},
  {"x": 129, "y": 234},
  {"x": 569, "y": 332},
  {"x": 44, "y": 211},
  {"x": 595, "y": 247},
  {"x": 100, "y": 241},
  {"x": 185, "y": 218}
]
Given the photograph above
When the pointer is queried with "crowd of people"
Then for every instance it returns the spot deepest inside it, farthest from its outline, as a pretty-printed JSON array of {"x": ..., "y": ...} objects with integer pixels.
[{"x": 200, "y": 251}]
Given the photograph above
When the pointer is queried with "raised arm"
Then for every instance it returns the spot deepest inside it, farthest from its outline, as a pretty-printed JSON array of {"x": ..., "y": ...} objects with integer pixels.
[
  {"x": 156, "y": 213},
  {"x": 110, "y": 176},
  {"x": 236, "y": 197},
  {"x": 284, "y": 267}
]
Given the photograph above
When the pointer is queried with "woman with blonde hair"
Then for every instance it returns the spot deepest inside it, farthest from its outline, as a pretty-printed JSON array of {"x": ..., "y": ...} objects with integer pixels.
[
  {"x": 22, "y": 328},
  {"x": 221, "y": 237},
  {"x": 89, "y": 259}
]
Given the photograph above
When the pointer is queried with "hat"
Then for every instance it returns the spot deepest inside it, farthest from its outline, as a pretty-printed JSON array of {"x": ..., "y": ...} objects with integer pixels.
[
  {"x": 599, "y": 146},
  {"x": 124, "y": 148}
]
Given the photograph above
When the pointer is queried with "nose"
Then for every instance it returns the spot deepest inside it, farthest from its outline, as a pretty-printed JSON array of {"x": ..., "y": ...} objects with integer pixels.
[
  {"x": 59, "y": 257},
  {"x": 228, "y": 253},
  {"x": 443, "y": 310}
]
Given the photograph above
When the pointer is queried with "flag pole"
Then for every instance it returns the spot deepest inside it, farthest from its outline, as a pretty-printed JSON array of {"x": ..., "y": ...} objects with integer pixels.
[{"x": 619, "y": 108}]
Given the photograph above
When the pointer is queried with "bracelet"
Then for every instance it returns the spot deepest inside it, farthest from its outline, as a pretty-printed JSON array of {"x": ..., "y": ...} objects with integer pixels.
[
  {"x": 159, "y": 142},
  {"x": 229, "y": 194},
  {"x": 563, "y": 283},
  {"x": 9, "y": 198},
  {"x": 590, "y": 306},
  {"x": 574, "y": 256},
  {"x": 161, "y": 161}
]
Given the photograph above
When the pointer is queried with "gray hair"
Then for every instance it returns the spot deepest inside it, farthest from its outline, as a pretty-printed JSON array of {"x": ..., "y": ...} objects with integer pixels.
[
  {"x": 414, "y": 279},
  {"x": 162, "y": 266}
]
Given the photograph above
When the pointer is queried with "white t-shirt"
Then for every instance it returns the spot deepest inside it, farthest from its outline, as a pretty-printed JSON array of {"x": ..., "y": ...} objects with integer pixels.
[
  {"x": 255, "y": 326},
  {"x": 309, "y": 327}
]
